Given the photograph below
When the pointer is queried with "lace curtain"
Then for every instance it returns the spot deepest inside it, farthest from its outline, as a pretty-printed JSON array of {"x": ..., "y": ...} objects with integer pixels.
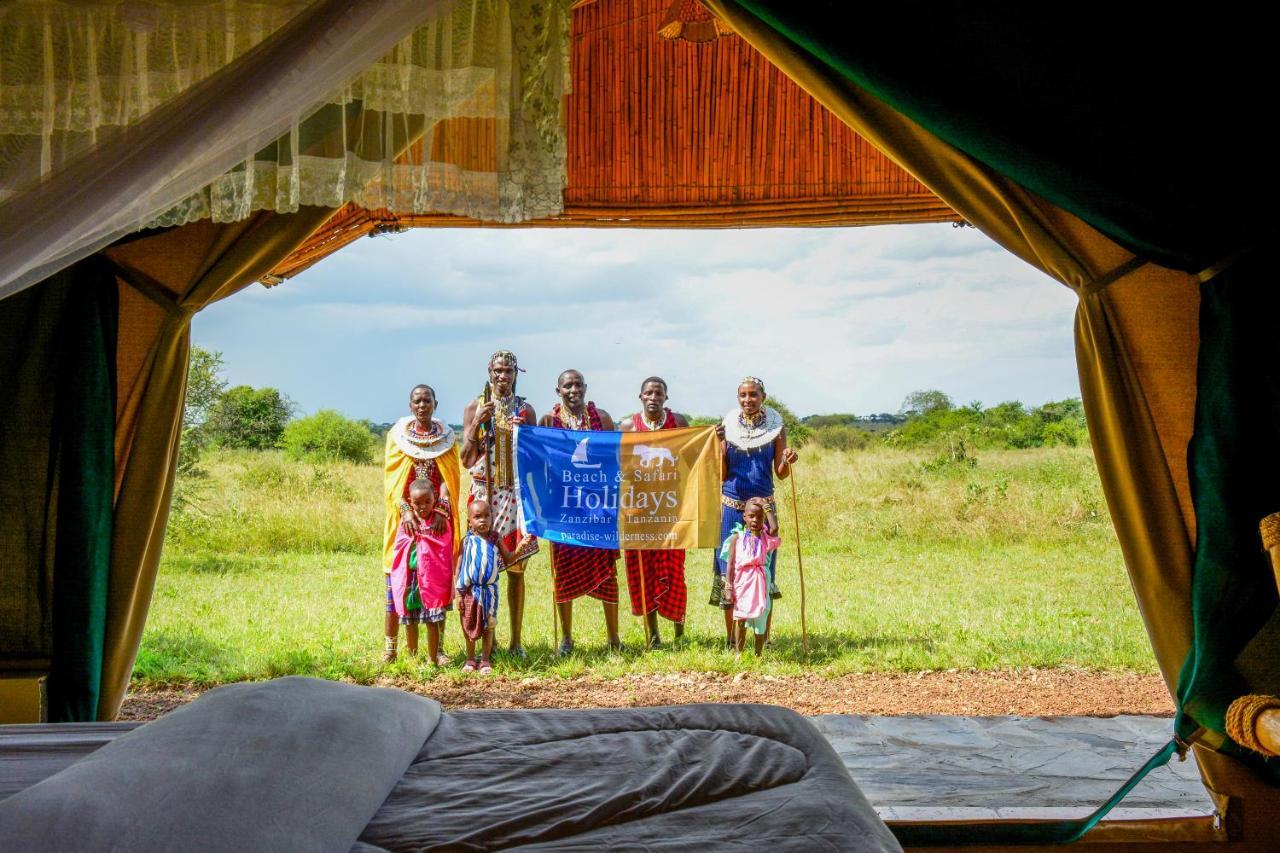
[{"x": 462, "y": 116}]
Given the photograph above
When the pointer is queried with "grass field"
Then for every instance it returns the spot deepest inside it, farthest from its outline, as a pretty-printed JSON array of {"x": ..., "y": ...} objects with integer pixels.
[{"x": 911, "y": 563}]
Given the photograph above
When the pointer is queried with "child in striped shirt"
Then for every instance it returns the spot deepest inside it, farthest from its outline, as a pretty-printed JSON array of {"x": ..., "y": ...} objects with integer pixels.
[{"x": 477, "y": 564}]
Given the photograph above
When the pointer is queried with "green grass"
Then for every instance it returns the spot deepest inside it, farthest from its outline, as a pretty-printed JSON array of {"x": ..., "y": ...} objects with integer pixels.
[{"x": 911, "y": 563}]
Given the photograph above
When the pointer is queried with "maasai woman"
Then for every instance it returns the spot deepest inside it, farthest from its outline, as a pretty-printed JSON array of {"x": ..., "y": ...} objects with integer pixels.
[
  {"x": 420, "y": 447},
  {"x": 578, "y": 570},
  {"x": 664, "y": 590},
  {"x": 747, "y": 584},
  {"x": 488, "y": 422},
  {"x": 755, "y": 450}
]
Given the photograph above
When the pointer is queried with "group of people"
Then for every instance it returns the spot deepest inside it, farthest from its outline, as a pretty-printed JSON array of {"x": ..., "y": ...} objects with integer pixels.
[{"x": 432, "y": 559}]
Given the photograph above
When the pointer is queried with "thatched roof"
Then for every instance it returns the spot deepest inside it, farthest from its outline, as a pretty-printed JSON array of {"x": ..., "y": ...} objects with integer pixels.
[{"x": 673, "y": 134}]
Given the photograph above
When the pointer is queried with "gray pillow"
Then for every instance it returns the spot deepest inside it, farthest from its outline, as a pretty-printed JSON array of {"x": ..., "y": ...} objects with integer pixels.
[{"x": 290, "y": 764}]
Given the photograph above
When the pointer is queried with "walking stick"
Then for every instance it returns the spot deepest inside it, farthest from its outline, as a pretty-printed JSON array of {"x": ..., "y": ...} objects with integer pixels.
[
  {"x": 644, "y": 606},
  {"x": 489, "y": 437},
  {"x": 795, "y": 514},
  {"x": 555, "y": 609}
]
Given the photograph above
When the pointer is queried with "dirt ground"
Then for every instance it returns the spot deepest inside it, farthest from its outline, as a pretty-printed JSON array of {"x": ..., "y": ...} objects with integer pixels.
[{"x": 1018, "y": 692}]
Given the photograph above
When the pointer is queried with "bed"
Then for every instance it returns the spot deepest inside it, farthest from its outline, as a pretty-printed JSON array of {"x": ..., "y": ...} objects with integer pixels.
[{"x": 304, "y": 764}]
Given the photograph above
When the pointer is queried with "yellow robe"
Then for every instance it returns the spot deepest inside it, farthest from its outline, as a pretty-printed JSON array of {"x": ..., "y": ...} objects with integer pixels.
[{"x": 397, "y": 470}]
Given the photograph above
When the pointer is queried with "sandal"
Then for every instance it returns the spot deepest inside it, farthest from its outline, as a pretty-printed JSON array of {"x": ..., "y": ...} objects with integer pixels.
[
  {"x": 485, "y": 667},
  {"x": 470, "y": 665},
  {"x": 443, "y": 660}
]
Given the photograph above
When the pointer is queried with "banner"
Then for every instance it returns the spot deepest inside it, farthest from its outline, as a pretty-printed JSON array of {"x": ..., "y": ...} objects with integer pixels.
[{"x": 620, "y": 489}]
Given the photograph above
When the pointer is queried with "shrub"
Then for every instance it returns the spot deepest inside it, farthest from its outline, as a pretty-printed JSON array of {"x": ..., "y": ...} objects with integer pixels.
[
  {"x": 797, "y": 432},
  {"x": 841, "y": 437},
  {"x": 327, "y": 436},
  {"x": 249, "y": 418}
]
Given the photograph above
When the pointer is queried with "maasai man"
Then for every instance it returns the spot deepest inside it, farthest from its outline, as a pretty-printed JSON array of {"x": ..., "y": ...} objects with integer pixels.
[
  {"x": 578, "y": 570},
  {"x": 420, "y": 447},
  {"x": 492, "y": 468},
  {"x": 664, "y": 590}
]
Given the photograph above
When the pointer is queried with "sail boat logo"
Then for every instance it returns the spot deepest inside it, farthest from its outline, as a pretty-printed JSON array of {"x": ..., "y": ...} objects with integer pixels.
[{"x": 579, "y": 458}]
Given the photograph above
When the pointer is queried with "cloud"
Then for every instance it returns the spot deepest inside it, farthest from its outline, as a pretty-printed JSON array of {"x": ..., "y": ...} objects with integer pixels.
[{"x": 834, "y": 319}]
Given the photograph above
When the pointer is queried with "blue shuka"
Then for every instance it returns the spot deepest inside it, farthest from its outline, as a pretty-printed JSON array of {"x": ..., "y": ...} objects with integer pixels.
[
  {"x": 478, "y": 576},
  {"x": 750, "y": 476}
]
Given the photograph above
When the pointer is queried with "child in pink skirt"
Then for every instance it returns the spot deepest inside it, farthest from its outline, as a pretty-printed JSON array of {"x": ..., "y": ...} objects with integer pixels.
[
  {"x": 420, "y": 583},
  {"x": 747, "y": 578}
]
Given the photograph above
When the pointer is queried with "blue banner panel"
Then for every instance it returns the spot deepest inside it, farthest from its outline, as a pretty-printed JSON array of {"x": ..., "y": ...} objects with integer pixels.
[{"x": 568, "y": 483}]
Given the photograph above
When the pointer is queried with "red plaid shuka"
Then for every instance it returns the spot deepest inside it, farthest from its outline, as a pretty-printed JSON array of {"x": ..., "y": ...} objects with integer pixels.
[
  {"x": 584, "y": 571},
  {"x": 664, "y": 588},
  {"x": 663, "y": 570}
]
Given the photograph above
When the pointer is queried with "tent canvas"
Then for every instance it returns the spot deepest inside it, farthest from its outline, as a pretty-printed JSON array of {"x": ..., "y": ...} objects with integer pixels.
[{"x": 1098, "y": 177}]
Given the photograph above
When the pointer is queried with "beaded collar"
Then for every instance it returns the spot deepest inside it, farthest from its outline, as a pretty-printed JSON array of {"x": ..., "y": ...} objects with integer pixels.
[
  {"x": 417, "y": 446},
  {"x": 564, "y": 419},
  {"x": 749, "y": 436}
]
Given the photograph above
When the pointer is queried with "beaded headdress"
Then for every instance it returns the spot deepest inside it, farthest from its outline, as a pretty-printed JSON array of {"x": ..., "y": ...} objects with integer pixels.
[
  {"x": 754, "y": 380},
  {"x": 507, "y": 359}
]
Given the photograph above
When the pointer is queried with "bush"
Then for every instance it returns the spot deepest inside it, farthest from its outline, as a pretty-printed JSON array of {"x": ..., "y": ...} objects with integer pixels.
[
  {"x": 932, "y": 421},
  {"x": 797, "y": 433},
  {"x": 841, "y": 437},
  {"x": 249, "y": 418},
  {"x": 327, "y": 436}
]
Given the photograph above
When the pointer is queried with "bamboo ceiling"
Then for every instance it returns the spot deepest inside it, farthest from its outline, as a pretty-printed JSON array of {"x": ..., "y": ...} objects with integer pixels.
[{"x": 673, "y": 134}]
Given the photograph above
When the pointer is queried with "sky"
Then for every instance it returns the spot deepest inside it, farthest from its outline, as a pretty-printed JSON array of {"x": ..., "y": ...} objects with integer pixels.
[{"x": 833, "y": 319}]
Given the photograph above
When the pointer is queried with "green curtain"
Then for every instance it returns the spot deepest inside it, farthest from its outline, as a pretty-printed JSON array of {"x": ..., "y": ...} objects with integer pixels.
[
  {"x": 57, "y": 472},
  {"x": 1126, "y": 121},
  {"x": 1235, "y": 481}
]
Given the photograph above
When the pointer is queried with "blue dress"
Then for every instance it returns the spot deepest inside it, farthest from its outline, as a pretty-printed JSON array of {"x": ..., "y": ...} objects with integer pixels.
[{"x": 750, "y": 476}]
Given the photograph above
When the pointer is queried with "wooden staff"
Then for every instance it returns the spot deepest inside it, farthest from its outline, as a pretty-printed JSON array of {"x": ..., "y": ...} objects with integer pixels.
[
  {"x": 555, "y": 608},
  {"x": 489, "y": 438},
  {"x": 795, "y": 514},
  {"x": 644, "y": 606}
]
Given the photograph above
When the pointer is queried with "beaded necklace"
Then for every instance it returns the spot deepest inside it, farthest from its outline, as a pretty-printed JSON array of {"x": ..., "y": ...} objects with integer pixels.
[
  {"x": 506, "y": 410},
  {"x": 653, "y": 426},
  {"x": 423, "y": 439},
  {"x": 753, "y": 426},
  {"x": 749, "y": 433},
  {"x": 572, "y": 421}
]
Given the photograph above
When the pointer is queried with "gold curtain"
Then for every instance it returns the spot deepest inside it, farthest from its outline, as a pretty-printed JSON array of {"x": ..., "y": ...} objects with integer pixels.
[
  {"x": 1136, "y": 344},
  {"x": 164, "y": 279}
]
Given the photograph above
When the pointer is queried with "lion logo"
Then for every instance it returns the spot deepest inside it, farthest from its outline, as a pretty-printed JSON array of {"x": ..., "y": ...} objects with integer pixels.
[{"x": 651, "y": 455}]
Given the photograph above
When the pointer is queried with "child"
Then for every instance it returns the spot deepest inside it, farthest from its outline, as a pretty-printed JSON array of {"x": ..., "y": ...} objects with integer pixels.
[
  {"x": 418, "y": 586},
  {"x": 747, "y": 580},
  {"x": 482, "y": 556}
]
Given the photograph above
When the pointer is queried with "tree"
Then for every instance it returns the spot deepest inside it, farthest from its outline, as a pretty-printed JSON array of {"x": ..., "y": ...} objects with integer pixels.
[
  {"x": 252, "y": 418},
  {"x": 820, "y": 421},
  {"x": 327, "y": 436},
  {"x": 797, "y": 432},
  {"x": 920, "y": 403},
  {"x": 204, "y": 387}
]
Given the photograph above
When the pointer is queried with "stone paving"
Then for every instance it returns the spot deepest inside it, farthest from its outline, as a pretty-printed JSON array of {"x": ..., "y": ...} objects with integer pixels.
[{"x": 966, "y": 768}]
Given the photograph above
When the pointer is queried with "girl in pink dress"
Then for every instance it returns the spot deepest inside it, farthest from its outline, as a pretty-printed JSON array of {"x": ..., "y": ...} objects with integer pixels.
[
  {"x": 747, "y": 552},
  {"x": 419, "y": 585}
]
